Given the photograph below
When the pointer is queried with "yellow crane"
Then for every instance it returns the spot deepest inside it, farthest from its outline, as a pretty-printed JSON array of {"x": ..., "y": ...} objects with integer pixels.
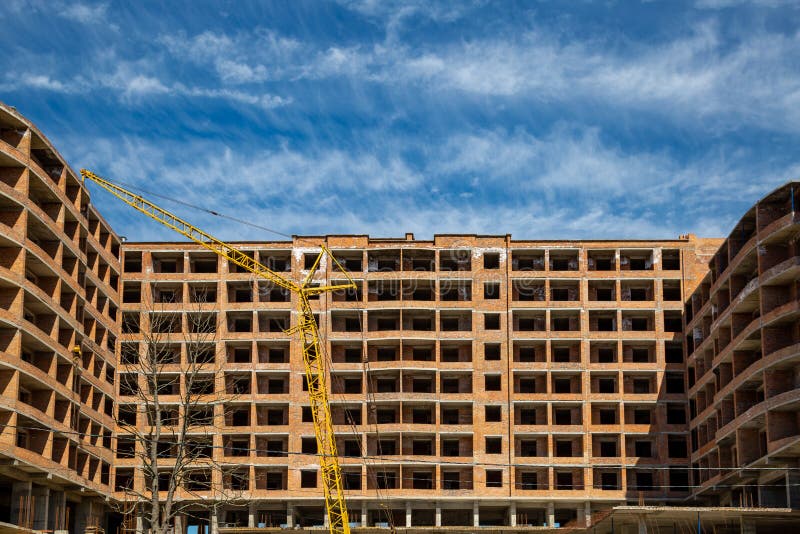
[{"x": 306, "y": 328}]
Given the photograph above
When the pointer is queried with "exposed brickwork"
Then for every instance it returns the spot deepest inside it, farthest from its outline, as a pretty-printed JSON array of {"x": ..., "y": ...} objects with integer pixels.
[
  {"x": 583, "y": 367},
  {"x": 59, "y": 276},
  {"x": 743, "y": 368}
]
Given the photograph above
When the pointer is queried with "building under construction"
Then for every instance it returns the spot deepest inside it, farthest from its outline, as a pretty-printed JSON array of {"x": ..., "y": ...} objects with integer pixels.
[{"x": 473, "y": 381}]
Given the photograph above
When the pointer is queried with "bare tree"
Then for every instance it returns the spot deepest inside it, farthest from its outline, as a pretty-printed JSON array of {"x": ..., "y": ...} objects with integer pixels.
[{"x": 181, "y": 398}]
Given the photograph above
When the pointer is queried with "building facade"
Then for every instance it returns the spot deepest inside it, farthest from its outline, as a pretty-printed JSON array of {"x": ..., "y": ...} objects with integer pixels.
[
  {"x": 59, "y": 324},
  {"x": 744, "y": 364},
  {"x": 474, "y": 380},
  {"x": 487, "y": 381}
]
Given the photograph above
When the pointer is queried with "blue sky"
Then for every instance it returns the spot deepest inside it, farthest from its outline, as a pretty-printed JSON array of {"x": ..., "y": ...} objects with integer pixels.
[{"x": 549, "y": 120}]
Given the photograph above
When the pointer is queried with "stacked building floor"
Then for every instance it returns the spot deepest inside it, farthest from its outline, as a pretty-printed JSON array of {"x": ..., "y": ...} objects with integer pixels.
[{"x": 474, "y": 380}]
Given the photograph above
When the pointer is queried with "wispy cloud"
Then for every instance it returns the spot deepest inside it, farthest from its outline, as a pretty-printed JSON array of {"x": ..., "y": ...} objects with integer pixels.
[
  {"x": 566, "y": 184},
  {"x": 132, "y": 84},
  {"x": 238, "y": 58},
  {"x": 83, "y": 12},
  {"x": 695, "y": 76},
  {"x": 721, "y": 4},
  {"x": 425, "y": 116}
]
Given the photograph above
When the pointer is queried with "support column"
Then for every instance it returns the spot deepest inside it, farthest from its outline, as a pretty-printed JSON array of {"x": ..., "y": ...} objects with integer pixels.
[
  {"x": 581, "y": 516},
  {"x": 289, "y": 515},
  {"x": 326, "y": 520},
  {"x": 214, "y": 521},
  {"x": 83, "y": 515},
  {"x": 512, "y": 514},
  {"x": 551, "y": 514},
  {"x": 476, "y": 514},
  {"x": 57, "y": 514},
  {"x": 41, "y": 509},
  {"x": 587, "y": 512},
  {"x": 20, "y": 497},
  {"x": 747, "y": 526},
  {"x": 364, "y": 514},
  {"x": 438, "y": 515},
  {"x": 642, "y": 524},
  {"x": 793, "y": 488},
  {"x": 178, "y": 528},
  {"x": 139, "y": 523},
  {"x": 408, "y": 514},
  {"x": 251, "y": 514}
]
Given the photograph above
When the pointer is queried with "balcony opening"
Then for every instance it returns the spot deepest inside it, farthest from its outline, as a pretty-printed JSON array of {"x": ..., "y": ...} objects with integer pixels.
[
  {"x": 493, "y": 414},
  {"x": 494, "y": 445},
  {"x": 608, "y": 449},
  {"x": 491, "y": 261},
  {"x": 607, "y": 385},
  {"x": 491, "y": 351},
  {"x": 641, "y": 417},
  {"x": 607, "y": 416},
  {"x": 642, "y": 449},
  {"x": 308, "y": 479},
  {"x": 491, "y": 321}
]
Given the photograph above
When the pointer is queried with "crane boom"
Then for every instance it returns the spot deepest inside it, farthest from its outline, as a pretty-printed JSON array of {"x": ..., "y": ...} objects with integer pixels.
[{"x": 306, "y": 327}]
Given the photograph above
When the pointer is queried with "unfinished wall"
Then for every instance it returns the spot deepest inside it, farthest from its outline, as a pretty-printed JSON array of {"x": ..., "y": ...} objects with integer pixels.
[
  {"x": 59, "y": 277},
  {"x": 456, "y": 359},
  {"x": 743, "y": 367}
]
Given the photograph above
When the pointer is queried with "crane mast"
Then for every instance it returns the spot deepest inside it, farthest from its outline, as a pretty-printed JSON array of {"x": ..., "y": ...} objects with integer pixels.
[{"x": 306, "y": 329}]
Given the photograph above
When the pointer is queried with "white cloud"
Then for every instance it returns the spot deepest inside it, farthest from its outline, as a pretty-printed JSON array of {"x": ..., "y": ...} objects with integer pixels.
[
  {"x": 234, "y": 72},
  {"x": 83, "y": 12},
  {"x": 236, "y": 59},
  {"x": 563, "y": 160},
  {"x": 42, "y": 81},
  {"x": 143, "y": 85},
  {"x": 721, "y": 4},
  {"x": 132, "y": 82},
  {"x": 566, "y": 184}
]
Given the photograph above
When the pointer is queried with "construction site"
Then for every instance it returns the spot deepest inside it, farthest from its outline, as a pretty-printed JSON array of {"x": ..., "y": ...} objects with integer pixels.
[{"x": 345, "y": 382}]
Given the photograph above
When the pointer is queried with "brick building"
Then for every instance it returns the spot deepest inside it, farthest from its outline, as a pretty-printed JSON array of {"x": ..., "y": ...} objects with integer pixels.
[
  {"x": 744, "y": 366},
  {"x": 455, "y": 360},
  {"x": 475, "y": 380},
  {"x": 59, "y": 273}
]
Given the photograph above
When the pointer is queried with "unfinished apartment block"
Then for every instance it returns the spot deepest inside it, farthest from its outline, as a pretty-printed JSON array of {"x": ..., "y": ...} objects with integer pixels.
[
  {"x": 59, "y": 325},
  {"x": 743, "y": 374},
  {"x": 474, "y": 380}
]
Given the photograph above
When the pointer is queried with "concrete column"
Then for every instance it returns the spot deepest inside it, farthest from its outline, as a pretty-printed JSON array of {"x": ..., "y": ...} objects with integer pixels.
[
  {"x": 587, "y": 512},
  {"x": 642, "y": 524},
  {"x": 438, "y": 515},
  {"x": 289, "y": 515},
  {"x": 512, "y": 514},
  {"x": 57, "y": 514},
  {"x": 20, "y": 491},
  {"x": 408, "y": 514},
  {"x": 364, "y": 514},
  {"x": 83, "y": 514},
  {"x": 551, "y": 514},
  {"x": 41, "y": 509},
  {"x": 793, "y": 488},
  {"x": 214, "y": 527},
  {"x": 326, "y": 521},
  {"x": 139, "y": 523},
  {"x": 476, "y": 514},
  {"x": 581, "y": 516},
  {"x": 178, "y": 526},
  {"x": 251, "y": 515},
  {"x": 747, "y": 526}
]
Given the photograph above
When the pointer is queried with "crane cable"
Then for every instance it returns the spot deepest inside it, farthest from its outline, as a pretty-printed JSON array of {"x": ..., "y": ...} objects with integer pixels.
[{"x": 206, "y": 210}]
